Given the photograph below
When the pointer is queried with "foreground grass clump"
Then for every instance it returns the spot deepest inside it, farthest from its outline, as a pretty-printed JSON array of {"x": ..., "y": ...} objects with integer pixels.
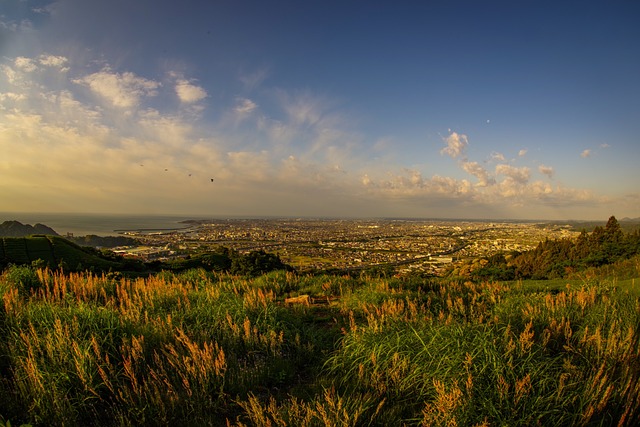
[{"x": 198, "y": 348}]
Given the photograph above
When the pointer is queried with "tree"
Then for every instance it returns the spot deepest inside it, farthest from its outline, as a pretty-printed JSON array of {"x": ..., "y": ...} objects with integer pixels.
[
  {"x": 612, "y": 231},
  {"x": 256, "y": 263}
]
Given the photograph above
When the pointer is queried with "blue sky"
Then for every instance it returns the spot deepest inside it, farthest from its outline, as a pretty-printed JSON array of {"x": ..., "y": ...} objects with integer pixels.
[{"x": 448, "y": 109}]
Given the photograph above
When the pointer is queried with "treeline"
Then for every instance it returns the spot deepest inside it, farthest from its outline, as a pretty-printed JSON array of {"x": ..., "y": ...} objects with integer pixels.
[
  {"x": 563, "y": 257},
  {"x": 254, "y": 263},
  {"x": 104, "y": 241}
]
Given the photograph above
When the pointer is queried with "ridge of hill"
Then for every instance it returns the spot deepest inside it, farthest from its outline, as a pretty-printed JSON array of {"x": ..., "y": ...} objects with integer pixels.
[{"x": 17, "y": 229}]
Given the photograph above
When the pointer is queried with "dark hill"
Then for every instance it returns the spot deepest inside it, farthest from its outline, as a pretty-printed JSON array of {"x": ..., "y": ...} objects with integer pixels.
[
  {"x": 17, "y": 229},
  {"x": 53, "y": 251}
]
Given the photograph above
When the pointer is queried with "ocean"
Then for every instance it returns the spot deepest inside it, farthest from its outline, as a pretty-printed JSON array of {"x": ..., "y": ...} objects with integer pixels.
[{"x": 98, "y": 224}]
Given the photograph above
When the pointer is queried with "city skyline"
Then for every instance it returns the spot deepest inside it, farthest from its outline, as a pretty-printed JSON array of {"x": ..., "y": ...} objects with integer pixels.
[{"x": 495, "y": 110}]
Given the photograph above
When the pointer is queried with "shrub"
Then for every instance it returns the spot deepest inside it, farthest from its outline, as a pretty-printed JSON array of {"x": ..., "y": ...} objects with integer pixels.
[{"x": 22, "y": 277}]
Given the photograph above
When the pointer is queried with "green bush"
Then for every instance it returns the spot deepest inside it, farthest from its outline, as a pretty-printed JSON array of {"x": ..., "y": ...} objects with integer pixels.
[{"x": 22, "y": 277}]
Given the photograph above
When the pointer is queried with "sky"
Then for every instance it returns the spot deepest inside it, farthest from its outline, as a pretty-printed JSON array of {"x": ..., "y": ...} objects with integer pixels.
[{"x": 433, "y": 109}]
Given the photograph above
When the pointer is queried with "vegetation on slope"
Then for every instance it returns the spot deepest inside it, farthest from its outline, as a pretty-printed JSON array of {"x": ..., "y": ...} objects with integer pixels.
[
  {"x": 52, "y": 252},
  {"x": 206, "y": 348},
  {"x": 563, "y": 257}
]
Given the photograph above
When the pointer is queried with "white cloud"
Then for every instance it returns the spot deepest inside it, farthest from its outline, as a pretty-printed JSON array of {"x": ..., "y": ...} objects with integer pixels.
[
  {"x": 30, "y": 65},
  {"x": 123, "y": 90},
  {"x": 11, "y": 96},
  {"x": 12, "y": 76},
  {"x": 189, "y": 93},
  {"x": 605, "y": 145},
  {"x": 546, "y": 170},
  {"x": 25, "y": 64},
  {"x": 586, "y": 153},
  {"x": 540, "y": 188},
  {"x": 522, "y": 152},
  {"x": 456, "y": 145},
  {"x": 69, "y": 153},
  {"x": 519, "y": 175},
  {"x": 54, "y": 61},
  {"x": 475, "y": 169}
]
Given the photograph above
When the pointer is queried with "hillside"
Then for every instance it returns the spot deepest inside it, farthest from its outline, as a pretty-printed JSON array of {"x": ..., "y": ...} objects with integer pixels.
[
  {"x": 53, "y": 251},
  {"x": 559, "y": 258},
  {"x": 17, "y": 229}
]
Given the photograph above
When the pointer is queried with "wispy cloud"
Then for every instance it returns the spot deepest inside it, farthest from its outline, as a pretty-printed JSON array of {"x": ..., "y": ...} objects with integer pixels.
[
  {"x": 585, "y": 153},
  {"x": 497, "y": 156},
  {"x": 68, "y": 150},
  {"x": 254, "y": 79},
  {"x": 245, "y": 106}
]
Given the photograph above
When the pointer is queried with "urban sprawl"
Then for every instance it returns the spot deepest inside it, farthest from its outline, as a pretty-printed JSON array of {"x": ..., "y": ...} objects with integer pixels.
[{"x": 406, "y": 246}]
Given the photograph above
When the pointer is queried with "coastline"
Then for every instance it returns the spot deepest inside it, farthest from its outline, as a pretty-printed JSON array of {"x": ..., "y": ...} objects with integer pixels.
[{"x": 80, "y": 224}]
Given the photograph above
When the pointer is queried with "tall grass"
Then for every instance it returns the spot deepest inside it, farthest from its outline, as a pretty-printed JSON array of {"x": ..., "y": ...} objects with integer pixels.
[
  {"x": 488, "y": 355},
  {"x": 202, "y": 348},
  {"x": 85, "y": 349}
]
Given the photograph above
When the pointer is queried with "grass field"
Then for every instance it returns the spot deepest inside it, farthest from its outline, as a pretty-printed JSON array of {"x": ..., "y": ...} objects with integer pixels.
[{"x": 200, "y": 348}]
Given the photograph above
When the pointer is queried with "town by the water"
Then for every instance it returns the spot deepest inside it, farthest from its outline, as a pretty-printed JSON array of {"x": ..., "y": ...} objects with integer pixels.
[{"x": 401, "y": 246}]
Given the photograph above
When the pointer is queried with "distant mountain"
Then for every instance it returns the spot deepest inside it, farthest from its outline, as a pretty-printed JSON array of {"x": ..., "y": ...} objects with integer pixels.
[{"x": 17, "y": 229}]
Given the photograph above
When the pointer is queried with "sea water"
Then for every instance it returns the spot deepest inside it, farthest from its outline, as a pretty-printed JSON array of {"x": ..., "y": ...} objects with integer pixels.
[{"x": 82, "y": 224}]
